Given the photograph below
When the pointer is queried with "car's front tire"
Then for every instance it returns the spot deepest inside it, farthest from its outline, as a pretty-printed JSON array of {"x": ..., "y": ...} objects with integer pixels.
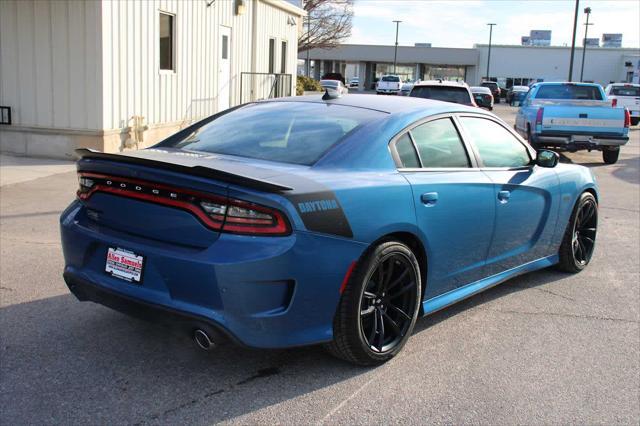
[
  {"x": 610, "y": 156},
  {"x": 579, "y": 238},
  {"x": 379, "y": 306}
]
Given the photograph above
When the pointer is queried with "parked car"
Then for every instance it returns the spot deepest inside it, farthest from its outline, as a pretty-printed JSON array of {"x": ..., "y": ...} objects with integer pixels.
[
  {"x": 495, "y": 89},
  {"x": 389, "y": 84},
  {"x": 442, "y": 90},
  {"x": 516, "y": 94},
  {"x": 483, "y": 97},
  {"x": 354, "y": 82},
  {"x": 271, "y": 225},
  {"x": 334, "y": 76},
  {"x": 406, "y": 88},
  {"x": 626, "y": 95},
  {"x": 572, "y": 117},
  {"x": 334, "y": 85}
]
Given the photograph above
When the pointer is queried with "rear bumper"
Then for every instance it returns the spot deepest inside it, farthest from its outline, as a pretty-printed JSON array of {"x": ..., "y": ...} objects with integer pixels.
[
  {"x": 578, "y": 142},
  {"x": 259, "y": 291},
  {"x": 85, "y": 290},
  {"x": 388, "y": 91}
]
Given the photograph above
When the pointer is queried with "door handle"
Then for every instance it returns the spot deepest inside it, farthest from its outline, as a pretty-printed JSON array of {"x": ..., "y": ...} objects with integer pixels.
[
  {"x": 429, "y": 198},
  {"x": 503, "y": 196}
]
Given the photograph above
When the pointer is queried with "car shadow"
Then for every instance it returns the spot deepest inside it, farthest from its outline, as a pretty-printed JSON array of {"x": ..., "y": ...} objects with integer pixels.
[
  {"x": 523, "y": 282},
  {"x": 95, "y": 365},
  {"x": 627, "y": 169},
  {"x": 63, "y": 361}
]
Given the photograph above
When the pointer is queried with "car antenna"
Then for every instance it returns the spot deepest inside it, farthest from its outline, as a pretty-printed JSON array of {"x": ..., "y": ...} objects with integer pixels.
[{"x": 327, "y": 96}]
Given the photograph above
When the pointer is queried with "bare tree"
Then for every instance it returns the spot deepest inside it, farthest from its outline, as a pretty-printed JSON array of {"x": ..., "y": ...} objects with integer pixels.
[{"x": 328, "y": 24}]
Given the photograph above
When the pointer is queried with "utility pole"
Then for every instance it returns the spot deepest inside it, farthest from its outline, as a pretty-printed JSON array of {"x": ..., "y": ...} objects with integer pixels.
[
  {"x": 587, "y": 10},
  {"x": 573, "y": 40},
  {"x": 308, "y": 48},
  {"x": 489, "y": 55},
  {"x": 395, "y": 52}
]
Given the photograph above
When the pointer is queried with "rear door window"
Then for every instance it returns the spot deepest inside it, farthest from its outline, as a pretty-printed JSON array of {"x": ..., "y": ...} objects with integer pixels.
[
  {"x": 406, "y": 152},
  {"x": 495, "y": 144},
  {"x": 458, "y": 95},
  {"x": 439, "y": 144}
]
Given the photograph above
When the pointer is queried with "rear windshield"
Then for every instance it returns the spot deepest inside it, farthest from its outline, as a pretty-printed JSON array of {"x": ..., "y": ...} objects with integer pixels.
[
  {"x": 489, "y": 84},
  {"x": 625, "y": 91},
  {"x": 458, "y": 95},
  {"x": 391, "y": 78},
  {"x": 288, "y": 132},
  {"x": 569, "y": 91}
]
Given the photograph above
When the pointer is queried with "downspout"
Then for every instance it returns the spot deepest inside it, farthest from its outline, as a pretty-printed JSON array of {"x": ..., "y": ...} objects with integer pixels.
[{"x": 254, "y": 49}]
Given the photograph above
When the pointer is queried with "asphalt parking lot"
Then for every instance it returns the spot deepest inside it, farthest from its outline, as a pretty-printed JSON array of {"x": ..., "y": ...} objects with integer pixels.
[{"x": 543, "y": 348}]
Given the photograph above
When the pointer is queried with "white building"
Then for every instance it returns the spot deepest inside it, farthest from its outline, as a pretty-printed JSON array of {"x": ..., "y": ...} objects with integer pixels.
[
  {"x": 83, "y": 73},
  {"x": 510, "y": 65}
]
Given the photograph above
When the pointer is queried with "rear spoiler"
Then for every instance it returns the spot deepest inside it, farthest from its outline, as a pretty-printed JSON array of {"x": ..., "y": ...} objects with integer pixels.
[{"x": 201, "y": 171}]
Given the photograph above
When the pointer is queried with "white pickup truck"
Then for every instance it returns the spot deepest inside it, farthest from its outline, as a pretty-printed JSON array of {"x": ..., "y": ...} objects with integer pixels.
[
  {"x": 389, "y": 84},
  {"x": 626, "y": 95}
]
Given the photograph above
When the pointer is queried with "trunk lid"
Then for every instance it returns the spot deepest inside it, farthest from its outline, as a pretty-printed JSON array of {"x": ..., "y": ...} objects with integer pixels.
[{"x": 124, "y": 202}]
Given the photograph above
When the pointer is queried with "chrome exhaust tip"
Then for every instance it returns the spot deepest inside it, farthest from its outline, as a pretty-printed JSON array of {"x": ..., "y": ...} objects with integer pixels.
[{"x": 203, "y": 340}]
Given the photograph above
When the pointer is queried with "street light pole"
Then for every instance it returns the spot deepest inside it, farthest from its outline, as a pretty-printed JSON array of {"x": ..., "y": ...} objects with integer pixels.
[
  {"x": 489, "y": 55},
  {"x": 573, "y": 40},
  {"x": 308, "y": 47},
  {"x": 587, "y": 10},
  {"x": 395, "y": 52}
]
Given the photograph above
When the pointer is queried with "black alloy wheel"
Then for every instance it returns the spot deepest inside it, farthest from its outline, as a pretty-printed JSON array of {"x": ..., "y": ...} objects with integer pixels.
[
  {"x": 585, "y": 227},
  {"x": 579, "y": 240},
  {"x": 388, "y": 302},
  {"x": 379, "y": 306}
]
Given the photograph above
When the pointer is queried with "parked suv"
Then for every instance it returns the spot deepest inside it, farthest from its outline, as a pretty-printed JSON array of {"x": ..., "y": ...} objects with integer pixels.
[
  {"x": 447, "y": 91},
  {"x": 625, "y": 95},
  {"x": 495, "y": 89}
]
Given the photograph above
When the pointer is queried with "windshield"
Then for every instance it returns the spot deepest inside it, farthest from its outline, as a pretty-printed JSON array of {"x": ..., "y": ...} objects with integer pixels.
[
  {"x": 625, "y": 91},
  {"x": 569, "y": 91},
  {"x": 458, "y": 95},
  {"x": 391, "y": 78},
  {"x": 288, "y": 132}
]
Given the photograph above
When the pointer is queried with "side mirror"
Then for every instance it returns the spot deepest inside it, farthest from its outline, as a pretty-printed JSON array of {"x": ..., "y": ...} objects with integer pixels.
[{"x": 546, "y": 158}]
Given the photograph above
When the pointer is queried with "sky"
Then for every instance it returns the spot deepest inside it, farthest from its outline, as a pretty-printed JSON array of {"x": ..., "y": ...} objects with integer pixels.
[{"x": 462, "y": 23}]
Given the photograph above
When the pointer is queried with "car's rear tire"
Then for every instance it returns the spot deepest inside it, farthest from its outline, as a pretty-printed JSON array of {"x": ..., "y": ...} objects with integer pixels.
[
  {"x": 610, "y": 156},
  {"x": 635, "y": 121},
  {"x": 579, "y": 238},
  {"x": 379, "y": 306}
]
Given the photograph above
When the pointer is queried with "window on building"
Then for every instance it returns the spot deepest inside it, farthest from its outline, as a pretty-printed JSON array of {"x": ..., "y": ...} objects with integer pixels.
[
  {"x": 283, "y": 58},
  {"x": 272, "y": 55},
  {"x": 166, "y": 41},
  {"x": 225, "y": 47}
]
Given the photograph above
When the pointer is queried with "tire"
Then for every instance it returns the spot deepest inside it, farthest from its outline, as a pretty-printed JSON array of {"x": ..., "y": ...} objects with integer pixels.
[
  {"x": 357, "y": 336},
  {"x": 579, "y": 238},
  {"x": 635, "y": 121},
  {"x": 610, "y": 156}
]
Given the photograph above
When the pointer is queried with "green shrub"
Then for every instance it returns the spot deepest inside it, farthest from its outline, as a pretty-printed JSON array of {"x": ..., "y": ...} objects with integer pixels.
[{"x": 306, "y": 84}]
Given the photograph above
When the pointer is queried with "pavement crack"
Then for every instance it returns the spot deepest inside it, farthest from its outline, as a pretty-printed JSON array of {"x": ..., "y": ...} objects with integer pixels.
[
  {"x": 556, "y": 314},
  {"x": 264, "y": 372},
  {"x": 546, "y": 291},
  {"x": 618, "y": 208}
]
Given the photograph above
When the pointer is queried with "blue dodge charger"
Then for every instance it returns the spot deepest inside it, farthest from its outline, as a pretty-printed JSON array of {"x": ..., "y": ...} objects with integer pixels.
[{"x": 333, "y": 220}]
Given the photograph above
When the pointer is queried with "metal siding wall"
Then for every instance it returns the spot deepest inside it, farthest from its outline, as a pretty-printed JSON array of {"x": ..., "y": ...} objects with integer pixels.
[{"x": 49, "y": 75}]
